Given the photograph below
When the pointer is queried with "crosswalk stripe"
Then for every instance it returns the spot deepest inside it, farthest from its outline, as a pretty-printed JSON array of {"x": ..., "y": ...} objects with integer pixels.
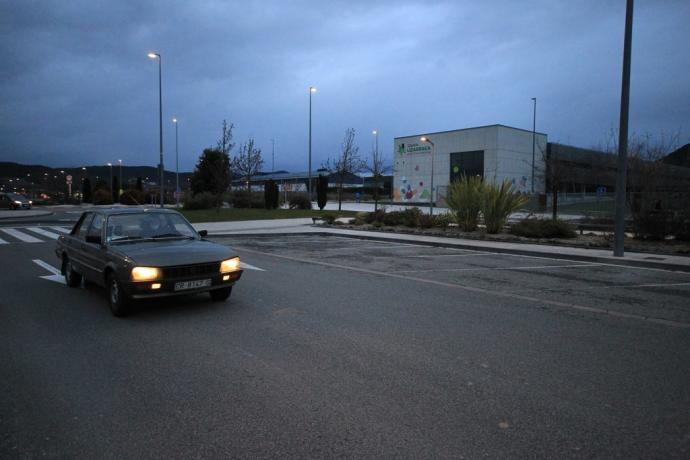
[
  {"x": 61, "y": 229},
  {"x": 3, "y": 241},
  {"x": 40, "y": 231},
  {"x": 21, "y": 236}
]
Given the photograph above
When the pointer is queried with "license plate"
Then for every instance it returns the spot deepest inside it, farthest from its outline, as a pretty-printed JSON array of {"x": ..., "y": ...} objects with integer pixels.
[{"x": 182, "y": 285}]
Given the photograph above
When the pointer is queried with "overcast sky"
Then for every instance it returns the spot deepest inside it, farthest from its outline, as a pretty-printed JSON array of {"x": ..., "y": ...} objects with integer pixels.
[{"x": 77, "y": 87}]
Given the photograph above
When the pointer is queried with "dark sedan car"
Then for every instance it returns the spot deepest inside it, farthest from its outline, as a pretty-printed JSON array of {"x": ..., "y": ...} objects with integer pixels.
[
  {"x": 11, "y": 200},
  {"x": 145, "y": 253}
]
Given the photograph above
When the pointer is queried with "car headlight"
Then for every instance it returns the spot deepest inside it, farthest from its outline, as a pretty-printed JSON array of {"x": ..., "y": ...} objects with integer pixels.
[
  {"x": 17, "y": 202},
  {"x": 230, "y": 265},
  {"x": 145, "y": 273},
  {"x": 31, "y": 202}
]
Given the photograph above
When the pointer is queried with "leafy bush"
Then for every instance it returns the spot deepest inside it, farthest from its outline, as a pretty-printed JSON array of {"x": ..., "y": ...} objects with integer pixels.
[
  {"x": 133, "y": 197},
  {"x": 465, "y": 200},
  {"x": 102, "y": 196},
  {"x": 426, "y": 220},
  {"x": 681, "y": 227},
  {"x": 444, "y": 220},
  {"x": 329, "y": 218},
  {"x": 271, "y": 194},
  {"x": 376, "y": 216},
  {"x": 204, "y": 200},
  {"x": 409, "y": 218},
  {"x": 301, "y": 201},
  {"x": 499, "y": 202},
  {"x": 543, "y": 228}
]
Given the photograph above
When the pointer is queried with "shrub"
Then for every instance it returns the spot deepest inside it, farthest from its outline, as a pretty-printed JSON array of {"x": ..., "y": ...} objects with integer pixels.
[
  {"x": 409, "y": 217},
  {"x": 543, "y": 228},
  {"x": 329, "y": 218},
  {"x": 681, "y": 227},
  {"x": 133, "y": 197},
  {"x": 376, "y": 216},
  {"x": 301, "y": 201},
  {"x": 322, "y": 191},
  {"x": 444, "y": 220},
  {"x": 102, "y": 196},
  {"x": 426, "y": 220},
  {"x": 465, "y": 200},
  {"x": 203, "y": 200},
  {"x": 244, "y": 199},
  {"x": 499, "y": 202},
  {"x": 271, "y": 194}
]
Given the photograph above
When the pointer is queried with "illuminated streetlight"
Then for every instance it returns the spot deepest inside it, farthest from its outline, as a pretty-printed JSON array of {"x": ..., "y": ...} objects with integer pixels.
[
  {"x": 311, "y": 91},
  {"x": 160, "y": 117}
]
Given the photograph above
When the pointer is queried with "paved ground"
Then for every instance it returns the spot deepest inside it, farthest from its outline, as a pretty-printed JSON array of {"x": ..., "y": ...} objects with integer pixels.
[{"x": 344, "y": 347}]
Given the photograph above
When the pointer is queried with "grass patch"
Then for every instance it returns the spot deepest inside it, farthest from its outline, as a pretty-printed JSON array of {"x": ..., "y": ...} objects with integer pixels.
[{"x": 228, "y": 215}]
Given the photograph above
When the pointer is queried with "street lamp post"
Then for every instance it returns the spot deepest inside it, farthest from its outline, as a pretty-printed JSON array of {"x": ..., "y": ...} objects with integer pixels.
[
  {"x": 273, "y": 155},
  {"x": 375, "y": 169},
  {"x": 120, "y": 184},
  {"x": 111, "y": 179},
  {"x": 534, "y": 137},
  {"x": 177, "y": 168},
  {"x": 431, "y": 195},
  {"x": 311, "y": 90},
  {"x": 160, "y": 118}
]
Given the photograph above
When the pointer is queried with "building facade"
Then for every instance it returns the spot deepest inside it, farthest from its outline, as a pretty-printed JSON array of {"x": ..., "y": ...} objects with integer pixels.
[{"x": 494, "y": 152}]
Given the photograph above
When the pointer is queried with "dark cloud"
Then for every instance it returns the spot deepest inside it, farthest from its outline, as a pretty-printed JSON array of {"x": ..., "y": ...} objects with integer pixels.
[{"x": 77, "y": 86}]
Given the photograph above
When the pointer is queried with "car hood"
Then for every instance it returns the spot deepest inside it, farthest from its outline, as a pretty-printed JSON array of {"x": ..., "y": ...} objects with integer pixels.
[{"x": 167, "y": 253}]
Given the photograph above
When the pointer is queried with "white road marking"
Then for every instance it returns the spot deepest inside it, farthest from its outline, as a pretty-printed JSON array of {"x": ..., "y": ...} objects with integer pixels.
[
  {"x": 55, "y": 277},
  {"x": 469, "y": 269},
  {"x": 61, "y": 229},
  {"x": 21, "y": 236},
  {"x": 470, "y": 254},
  {"x": 47, "y": 266},
  {"x": 250, "y": 267},
  {"x": 40, "y": 231},
  {"x": 3, "y": 241}
]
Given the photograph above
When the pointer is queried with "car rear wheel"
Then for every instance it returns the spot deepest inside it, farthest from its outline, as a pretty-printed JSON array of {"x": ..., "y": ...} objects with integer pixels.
[
  {"x": 118, "y": 300},
  {"x": 220, "y": 295},
  {"x": 72, "y": 278}
]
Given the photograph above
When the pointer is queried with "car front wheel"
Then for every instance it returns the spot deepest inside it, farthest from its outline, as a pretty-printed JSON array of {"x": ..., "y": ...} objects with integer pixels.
[
  {"x": 72, "y": 278},
  {"x": 118, "y": 300},
  {"x": 220, "y": 295}
]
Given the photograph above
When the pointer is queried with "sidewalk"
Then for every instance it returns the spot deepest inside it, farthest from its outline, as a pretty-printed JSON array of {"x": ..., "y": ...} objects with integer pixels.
[{"x": 302, "y": 226}]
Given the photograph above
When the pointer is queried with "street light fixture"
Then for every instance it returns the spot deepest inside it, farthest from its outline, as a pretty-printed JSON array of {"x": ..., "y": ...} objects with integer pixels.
[
  {"x": 311, "y": 90},
  {"x": 160, "y": 118},
  {"x": 111, "y": 177},
  {"x": 120, "y": 184},
  {"x": 177, "y": 168},
  {"x": 431, "y": 195},
  {"x": 534, "y": 138}
]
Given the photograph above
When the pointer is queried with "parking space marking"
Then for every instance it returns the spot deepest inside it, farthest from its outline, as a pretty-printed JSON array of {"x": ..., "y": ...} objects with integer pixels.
[
  {"x": 522, "y": 297},
  {"x": 469, "y": 269},
  {"x": 56, "y": 275},
  {"x": 21, "y": 236},
  {"x": 3, "y": 241},
  {"x": 42, "y": 232}
]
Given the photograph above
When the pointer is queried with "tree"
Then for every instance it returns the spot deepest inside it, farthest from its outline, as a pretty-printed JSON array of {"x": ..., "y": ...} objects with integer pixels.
[
  {"x": 271, "y": 195},
  {"x": 376, "y": 168},
  {"x": 212, "y": 174},
  {"x": 346, "y": 164},
  {"x": 86, "y": 190},
  {"x": 322, "y": 191},
  {"x": 225, "y": 143},
  {"x": 248, "y": 161}
]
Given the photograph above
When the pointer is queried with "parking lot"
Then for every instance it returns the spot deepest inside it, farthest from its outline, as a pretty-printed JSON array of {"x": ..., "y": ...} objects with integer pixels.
[{"x": 333, "y": 346}]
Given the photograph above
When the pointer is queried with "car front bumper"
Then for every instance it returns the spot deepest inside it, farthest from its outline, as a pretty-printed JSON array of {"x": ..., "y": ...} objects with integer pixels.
[{"x": 143, "y": 290}]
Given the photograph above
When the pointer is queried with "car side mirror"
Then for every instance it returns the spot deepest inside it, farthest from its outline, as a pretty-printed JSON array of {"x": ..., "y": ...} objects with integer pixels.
[
  {"x": 203, "y": 233},
  {"x": 95, "y": 239}
]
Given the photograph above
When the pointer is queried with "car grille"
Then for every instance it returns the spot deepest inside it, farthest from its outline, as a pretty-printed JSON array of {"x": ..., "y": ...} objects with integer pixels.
[{"x": 191, "y": 270}]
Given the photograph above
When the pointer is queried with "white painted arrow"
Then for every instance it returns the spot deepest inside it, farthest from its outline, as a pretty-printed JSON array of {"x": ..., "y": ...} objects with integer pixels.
[{"x": 56, "y": 276}]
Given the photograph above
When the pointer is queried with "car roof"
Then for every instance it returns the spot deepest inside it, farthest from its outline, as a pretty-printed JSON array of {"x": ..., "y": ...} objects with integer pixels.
[{"x": 112, "y": 211}]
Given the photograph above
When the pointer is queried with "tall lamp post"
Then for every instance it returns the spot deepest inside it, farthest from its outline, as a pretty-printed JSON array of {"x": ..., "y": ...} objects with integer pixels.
[
  {"x": 111, "y": 179},
  {"x": 160, "y": 117},
  {"x": 431, "y": 195},
  {"x": 534, "y": 137},
  {"x": 311, "y": 90},
  {"x": 120, "y": 184},
  {"x": 374, "y": 165},
  {"x": 177, "y": 168}
]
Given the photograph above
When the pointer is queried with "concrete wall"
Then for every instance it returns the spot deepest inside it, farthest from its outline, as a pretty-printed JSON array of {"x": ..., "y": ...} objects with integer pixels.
[{"x": 507, "y": 155}]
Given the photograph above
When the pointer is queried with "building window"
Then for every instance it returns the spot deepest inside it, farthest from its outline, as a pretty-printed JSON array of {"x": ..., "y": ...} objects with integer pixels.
[{"x": 466, "y": 164}]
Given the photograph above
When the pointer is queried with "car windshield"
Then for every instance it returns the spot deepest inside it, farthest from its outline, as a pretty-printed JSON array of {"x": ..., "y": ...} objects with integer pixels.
[
  {"x": 147, "y": 226},
  {"x": 16, "y": 196}
]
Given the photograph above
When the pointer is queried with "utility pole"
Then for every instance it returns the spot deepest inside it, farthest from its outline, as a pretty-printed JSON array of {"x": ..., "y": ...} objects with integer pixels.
[
  {"x": 621, "y": 176},
  {"x": 273, "y": 155},
  {"x": 534, "y": 138}
]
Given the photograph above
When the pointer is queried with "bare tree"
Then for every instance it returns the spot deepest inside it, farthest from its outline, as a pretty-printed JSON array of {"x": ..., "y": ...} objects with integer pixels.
[
  {"x": 225, "y": 143},
  {"x": 347, "y": 163},
  {"x": 375, "y": 166},
  {"x": 248, "y": 161}
]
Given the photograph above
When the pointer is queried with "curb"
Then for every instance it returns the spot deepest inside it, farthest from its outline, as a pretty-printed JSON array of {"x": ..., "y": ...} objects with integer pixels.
[
  {"x": 25, "y": 216},
  {"x": 522, "y": 252}
]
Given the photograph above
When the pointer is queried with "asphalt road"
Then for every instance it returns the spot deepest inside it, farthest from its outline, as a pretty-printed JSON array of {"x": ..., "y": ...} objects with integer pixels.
[{"x": 351, "y": 348}]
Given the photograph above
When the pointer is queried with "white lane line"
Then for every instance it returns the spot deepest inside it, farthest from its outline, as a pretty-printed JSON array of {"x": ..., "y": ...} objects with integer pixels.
[
  {"x": 534, "y": 267},
  {"x": 250, "y": 267},
  {"x": 21, "y": 236},
  {"x": 61, "y": 229},
  {"x": 452, "y": 255},
  {"x": 3, "y": 241},
  {"x": 40, "y": 231},
  {"x": 47, "y": 266}
]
